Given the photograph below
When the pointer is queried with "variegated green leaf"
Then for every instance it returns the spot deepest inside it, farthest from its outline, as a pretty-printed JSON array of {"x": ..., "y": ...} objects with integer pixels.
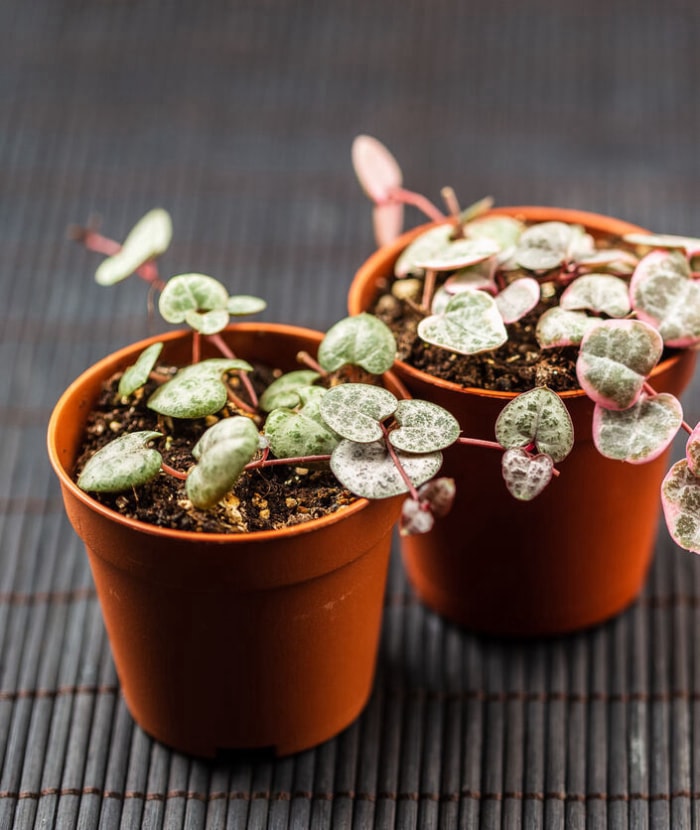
[
  {"x": 423, "y": 427},
  {"x": 356, "y": 410},
  {"x": 136, "y": 375},
  {"x": 471, "y": 323},
  {"x": 148, "y": 239},
  {"x": 536, "y": 417},
  {"x": 292, "y": 433},
  {"x": 197, "y": 390},
  {"x": 363, "y": 340},
  {"x": 122, "y": 464},
  {"x": 368, "y": 470},
  {"x": 221, "y": 453},
  {"x": 558, "y": 327},
  {"x": 640, "y": 433},
  {"x": 680, "y": 497},
  {"x": 189, "y": 296},
  {"x": 240, "y": 305},
  {"x": 600, "y": 293},
  {"x": 284, "y": 392}
]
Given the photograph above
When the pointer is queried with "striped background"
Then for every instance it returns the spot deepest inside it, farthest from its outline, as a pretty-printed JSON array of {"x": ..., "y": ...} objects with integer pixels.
[{"x": 238, "y": 118}]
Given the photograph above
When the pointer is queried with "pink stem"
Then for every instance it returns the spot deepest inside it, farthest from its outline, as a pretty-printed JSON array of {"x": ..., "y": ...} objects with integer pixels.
[
  {"x": 276, "y": 462},
  {"x": 196, "y": 347},
  {"x": 399, "y": 466},
  {"x": 307, "y": 360},
  {"x": 218, "y": 341},
  {"x": 428, "y": 289},
  {"x": 408, "y": 197},
  {"x": 171, "y": 471},
  {"x": 478, "y": 442}
]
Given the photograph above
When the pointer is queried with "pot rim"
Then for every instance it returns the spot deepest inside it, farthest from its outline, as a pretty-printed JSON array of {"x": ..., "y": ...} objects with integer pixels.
[
  {"x": 107, "y": 364},
  {"x": 384, "y": 258}
]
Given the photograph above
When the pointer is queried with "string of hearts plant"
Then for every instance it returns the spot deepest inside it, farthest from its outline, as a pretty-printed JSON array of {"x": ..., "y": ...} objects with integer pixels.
[
  {"x": 472, "y": 275},
  {"x": 377, "y": 446}
]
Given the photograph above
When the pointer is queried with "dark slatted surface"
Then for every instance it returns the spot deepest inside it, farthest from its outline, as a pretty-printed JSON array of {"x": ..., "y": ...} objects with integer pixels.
[{"x": 238, "y": 118}]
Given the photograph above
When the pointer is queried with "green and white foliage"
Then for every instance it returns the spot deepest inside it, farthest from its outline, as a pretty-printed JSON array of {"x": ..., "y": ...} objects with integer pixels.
[
  {"x": 287, "y": 390},
  {"x": 615, "y": 360},
  {"x": 356, "y": 411},
  {"x": 526, "y": 475},
  {"x": 363, "y": 341},
  {"x": 599, "y": 293},
  {"x": 423, "y": 427},
  {"x": 437, "y": 249},
  {"x": 680, "y": 497},
  {"x": 549, "y": 245},
  {"x": 518, "y": 299},
  {"x": 505, "y": 231},
  {"x": 558, "y": 327},
  {"x": 536, "y": 418},
  {"x": 369, "y": 469},
  {"x": 124, "y": 463},
  {"x": 470, "y": 323},
  {"x": 197, "y": 390},
  {"x": 690, "y": 245},
  {"x": 221, "y": 453},
  {"x": 203, "y": 303},
  {"x": 136, "y": 375},
  {"x": 665, "y": 296},
  {"x": 149, "y": 238},
  {"x": 641, "y": 432},
  {"x": 692, "y": 451},
  {"x": 301, "y": 431}
]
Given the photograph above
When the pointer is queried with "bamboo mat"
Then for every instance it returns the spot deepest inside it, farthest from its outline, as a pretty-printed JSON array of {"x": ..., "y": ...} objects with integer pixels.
[{"x": 238, "y": 118}]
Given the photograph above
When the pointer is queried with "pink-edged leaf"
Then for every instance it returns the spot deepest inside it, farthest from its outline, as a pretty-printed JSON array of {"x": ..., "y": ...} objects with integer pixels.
[
  {"x": 664, "y": 295},
  {"x": 692, "y": 451},
  {"x": 609, "y": 259},
  {"x": 518, "y": 298},
  {"x": 558, "y": 327},
  {"x": 416, "y": 518},
  {"x": 375, "y": 167},
  {"x": 479, "y": 276},
  {"x": 470, "y": 324},
  {"x": 663, "y": 240},
  {"x": 537, "y": 417},
  {"x": 439, "y": 494},
  {"x": 640, "y": 433},
  {"x": 526, "y": 475},
  {"x": 615, "y": 358},
  {"x": 601, "y": 293},
  {"x": 387, "y": 220},
  {"x": 680, "y": 497},
  {"x": 504, "y": 230},
  {"x": 425, "y": 246},
  {"x": 459, "y": 253}
]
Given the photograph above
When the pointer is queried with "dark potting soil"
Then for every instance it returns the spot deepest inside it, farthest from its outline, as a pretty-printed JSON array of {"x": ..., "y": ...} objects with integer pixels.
[
  {"x": 517, "y": 366},
  {"x": 262, "y": 499}
]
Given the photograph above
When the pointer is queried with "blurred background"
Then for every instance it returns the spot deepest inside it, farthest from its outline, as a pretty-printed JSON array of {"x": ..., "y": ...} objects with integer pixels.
[{"x": 238, "y": 117}]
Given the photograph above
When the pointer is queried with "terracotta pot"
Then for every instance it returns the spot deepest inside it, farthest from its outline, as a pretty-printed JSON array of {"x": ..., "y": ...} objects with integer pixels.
[
  {"x": 572, "y": 557},
  {"x": 266, "y": 639}
]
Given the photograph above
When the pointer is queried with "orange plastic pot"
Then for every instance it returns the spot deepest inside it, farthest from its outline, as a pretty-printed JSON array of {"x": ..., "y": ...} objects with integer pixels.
[
  {"x": 265, "y": 639},
  {"x": 574, "y": 556}
]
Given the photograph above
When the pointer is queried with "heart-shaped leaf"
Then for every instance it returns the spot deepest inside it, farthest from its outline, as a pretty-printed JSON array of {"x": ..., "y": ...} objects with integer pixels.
[
  {"x": 471, "y": 323},
  {"x": 149, "y": 238},
  {"x": 680, "y": 497},
  {"x": 122, "y": 464},
  {"x": 558, "y": 327},
  {"x": 615, "y": 358},
  {"x": 526, "y": 475},
  {"x": 536, "y": 417},
  {"x": 640, "y": 433},
  {"x": 664, "y": 295},
  {"x": 136, "y": 375},
  {"x": 545, "y": 246},
  {"x": 601, "y": 293},
  {"x": 614, "y": 260},
  {"x": 291, "y": 434},
  {"x": 284, "y": 391},
  {"x": 387, "y": 222},
  {"x": 423, "y": 427},
  {"x": 479, "y": 276},
  {"x": 664, "y": 240},
  {"x": 459, "y": 253},
  {"x": 363, "y": 340},
  {"x": 505, "y": 231},
  {"x": 435, "y": 499},
  {"x": 356, "y": 410},
  {"x": 240, "y": 305},
  {"x": 518, "y": 298},
  {"x": 436, "y": 249},
  {"x": 221, "y": 453},
  {"x": 187, "y": 297},
  {"x": 197, "y": 390},
  {"x": 375, "y": 167},
  {"x": 368, "y": 470}
]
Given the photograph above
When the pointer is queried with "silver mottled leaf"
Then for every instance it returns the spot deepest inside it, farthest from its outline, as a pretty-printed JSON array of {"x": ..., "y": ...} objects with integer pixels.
[
  {"x": 536, "y": 417},
  {"x": 122, "y": 464}
]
